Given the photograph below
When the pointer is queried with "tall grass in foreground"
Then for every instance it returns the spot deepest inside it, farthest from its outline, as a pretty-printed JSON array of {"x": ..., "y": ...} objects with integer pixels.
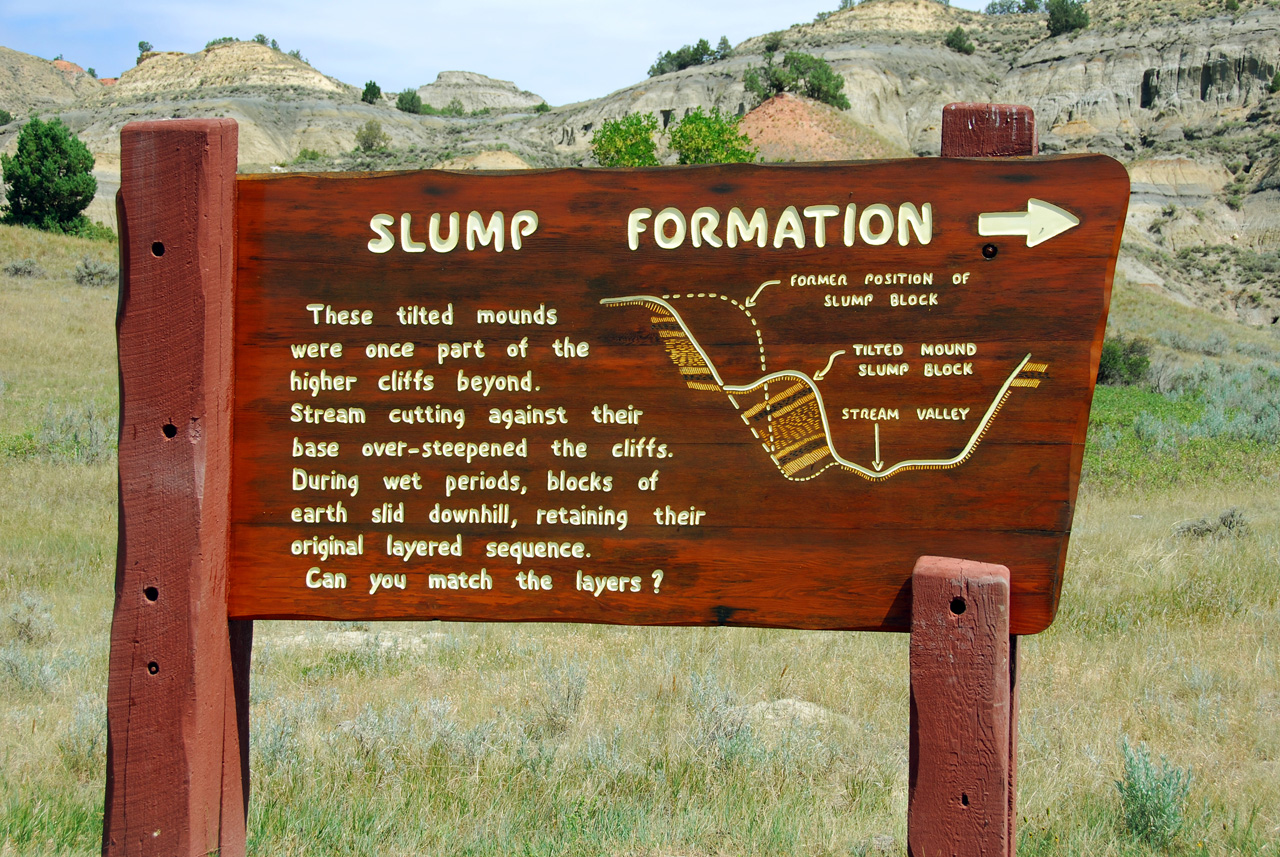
[{"x": 482, "y": 739}]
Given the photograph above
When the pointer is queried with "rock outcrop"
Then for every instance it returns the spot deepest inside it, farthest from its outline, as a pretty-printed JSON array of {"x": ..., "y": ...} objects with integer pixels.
[{"x": 475, "y": 92}]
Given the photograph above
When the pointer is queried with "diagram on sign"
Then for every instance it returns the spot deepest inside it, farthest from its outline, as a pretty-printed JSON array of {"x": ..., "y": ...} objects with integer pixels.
[{"x": 785, "y": 409}]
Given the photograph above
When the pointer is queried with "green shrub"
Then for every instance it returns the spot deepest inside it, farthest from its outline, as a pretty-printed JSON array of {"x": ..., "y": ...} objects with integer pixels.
[
  {"x": 544, "y": 107},
  {"x": 305, "y": 154},
  {"x": 370, "y": 137},
  {"x": 409, "y": 101},
  {"x": 224, "y": 40},
  {"x": 626, "y": 142},
  {"x": 957, "y": 40},
  {"x": 690, "y": 55},
  {"x": 93, "y": 231},
  {"x": 1152, "y": 797},
  {"x": 1274, "y": 87},
  {"x": 1066, "y": 16},
  {"x": 711, "y": 138},
  {"x": 145, "y": 47},
  {"x": 1012, "y": 7},
  {"x": 1233, "y": 5},
  {"x": 5, "y": 117},
  {"x": 453, "y": 108},
  {"x": 800, "y": 73},
  {"x": 1124, "y": 361},
  {"x": 91, "y": 272},
  {"x": 49, "y": 181},
  {"x": 372, "y": 93}
]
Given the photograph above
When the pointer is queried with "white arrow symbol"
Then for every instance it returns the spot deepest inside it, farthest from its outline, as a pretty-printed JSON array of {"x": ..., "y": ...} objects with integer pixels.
[
  {"x": 1040, "y": 222},
  {"x": 822, "y": 373},
  {"x": 878, "y": 464},
  {"x": 751, "y": 301}
]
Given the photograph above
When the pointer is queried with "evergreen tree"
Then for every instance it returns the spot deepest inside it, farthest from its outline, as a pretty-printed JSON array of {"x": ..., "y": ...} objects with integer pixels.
[
  {"x": 409, "y": 101},
  {"x": 801, "y": 73},
  {"x": 49, "y": 180},
  {"x": 1066, "y": 16}
]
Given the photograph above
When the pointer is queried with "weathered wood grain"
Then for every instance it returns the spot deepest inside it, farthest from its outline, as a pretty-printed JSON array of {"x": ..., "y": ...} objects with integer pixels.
[
  {"x": 959, "y": 758},
  {"x": 988, "y": 131},
  {"x": 809, "y": 547},
  {"x": 177, "y": 697}
]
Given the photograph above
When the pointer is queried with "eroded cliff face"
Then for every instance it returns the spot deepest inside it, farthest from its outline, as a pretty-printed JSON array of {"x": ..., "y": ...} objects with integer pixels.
[
  {"x": 1122, "y": 90},
  {"x": 1177, "y": 91}
]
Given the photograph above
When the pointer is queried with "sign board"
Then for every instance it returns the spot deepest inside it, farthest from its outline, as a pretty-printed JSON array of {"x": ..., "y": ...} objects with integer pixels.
[{"x": 739, "y": 395}]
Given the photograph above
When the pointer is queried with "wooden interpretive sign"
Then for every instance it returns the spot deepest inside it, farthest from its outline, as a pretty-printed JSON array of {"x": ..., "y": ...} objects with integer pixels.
[{"x": 725, "y": 395}]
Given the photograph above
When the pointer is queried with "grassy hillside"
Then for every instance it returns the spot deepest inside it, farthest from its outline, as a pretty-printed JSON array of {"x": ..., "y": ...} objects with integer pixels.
[{"x": 437, "y": 738}]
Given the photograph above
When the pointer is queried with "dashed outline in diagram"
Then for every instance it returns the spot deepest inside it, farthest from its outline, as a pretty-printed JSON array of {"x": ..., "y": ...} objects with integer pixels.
[{"x": 791, "y": 424}]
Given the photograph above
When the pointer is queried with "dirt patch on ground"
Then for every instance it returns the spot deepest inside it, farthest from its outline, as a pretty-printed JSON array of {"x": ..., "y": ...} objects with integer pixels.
[
  {"x": 791, "y": 128},
  {"x": 487, "y": 160}
]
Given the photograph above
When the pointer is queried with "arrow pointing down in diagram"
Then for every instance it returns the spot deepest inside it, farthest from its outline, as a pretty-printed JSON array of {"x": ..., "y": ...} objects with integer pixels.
[{"x": 1040, "y": 222}]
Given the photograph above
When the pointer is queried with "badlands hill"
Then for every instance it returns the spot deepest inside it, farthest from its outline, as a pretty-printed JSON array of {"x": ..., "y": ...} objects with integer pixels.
[{"x": 1178, "y": 90}]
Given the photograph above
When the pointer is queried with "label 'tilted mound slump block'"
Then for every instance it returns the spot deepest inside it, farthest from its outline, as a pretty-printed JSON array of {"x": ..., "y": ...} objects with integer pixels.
[{"x": 738, "y": 395}]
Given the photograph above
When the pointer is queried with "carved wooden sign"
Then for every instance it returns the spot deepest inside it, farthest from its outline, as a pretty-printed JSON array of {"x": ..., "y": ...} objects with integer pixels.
[{"x": 725, "y": 395}]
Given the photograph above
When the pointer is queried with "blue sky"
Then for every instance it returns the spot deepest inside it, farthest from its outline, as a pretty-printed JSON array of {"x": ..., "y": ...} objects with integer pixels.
[{"x": 564, "y": 50}]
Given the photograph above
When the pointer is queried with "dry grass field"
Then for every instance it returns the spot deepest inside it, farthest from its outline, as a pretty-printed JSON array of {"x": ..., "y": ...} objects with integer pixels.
[{"x": 489, "y": 739}]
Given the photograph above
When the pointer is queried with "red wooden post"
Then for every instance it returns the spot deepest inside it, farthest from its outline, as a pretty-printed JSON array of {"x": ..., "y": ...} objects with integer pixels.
[
  {"x": 958, "y": 792},
  {"x": 988, "y": 131},
  {"x": 964, "y": 667},
  {"x": 177, "y": 697}
]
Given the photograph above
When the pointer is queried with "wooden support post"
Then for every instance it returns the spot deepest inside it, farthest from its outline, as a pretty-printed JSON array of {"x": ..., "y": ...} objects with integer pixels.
[
  {"x": 962, "y": 794},
  {"x": 958, "y": 786},
  {"x": 177, "y": 696},
  {"x": 988, "y": 131}
]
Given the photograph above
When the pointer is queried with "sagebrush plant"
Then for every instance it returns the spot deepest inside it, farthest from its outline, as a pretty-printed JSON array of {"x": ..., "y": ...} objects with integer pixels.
[
  {"x": 1152, "y": 796},
  {"x": 92, "y": 272},
  {"x": 24, "y": 268}
]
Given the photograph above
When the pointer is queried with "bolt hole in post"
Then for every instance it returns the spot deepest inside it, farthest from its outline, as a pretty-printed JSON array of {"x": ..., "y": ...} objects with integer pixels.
[
  {"x": 989, "y": 251},
  {"x": 151, "y": 593},
  {"x": 964, "y": 799},
  {"x": 958, "y": 606},
  {"x": 170, "y": 430},
  {"x": 157, "y": 249},
  {"x": 153, "y": 668}
]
